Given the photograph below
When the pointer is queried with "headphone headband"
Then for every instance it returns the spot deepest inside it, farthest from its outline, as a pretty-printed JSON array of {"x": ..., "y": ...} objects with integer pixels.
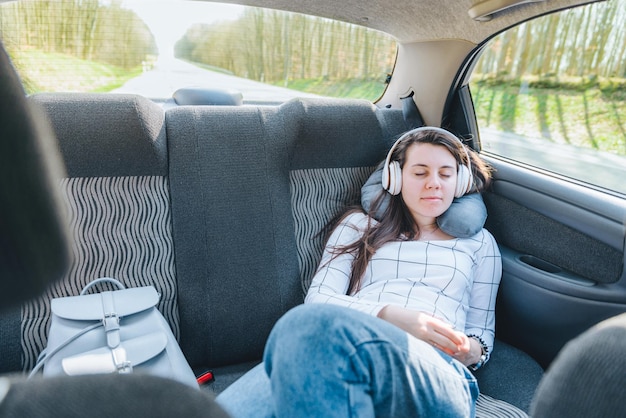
[{"x": 414, "y": 131}]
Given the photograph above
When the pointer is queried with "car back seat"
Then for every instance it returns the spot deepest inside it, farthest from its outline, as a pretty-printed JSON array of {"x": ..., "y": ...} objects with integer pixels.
[
  {"x": 251, "y": 189},
  {"x": 220, "y": 208},
  {"x": 118, "y": 202}
]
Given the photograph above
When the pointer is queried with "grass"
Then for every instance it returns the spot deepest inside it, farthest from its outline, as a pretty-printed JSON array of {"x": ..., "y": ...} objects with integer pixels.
[
  {"x": 589, "y": 114},
  {"x": 49, "y": 72}
]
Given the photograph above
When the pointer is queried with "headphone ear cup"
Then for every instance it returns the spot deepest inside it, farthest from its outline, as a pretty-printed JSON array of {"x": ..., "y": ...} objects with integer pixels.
[
  {"x": 397, "y": 177},
  {"x": 392, "y": 178},
  {"x": 385, "y": 177},
  {"x": 464, "y": 181}
]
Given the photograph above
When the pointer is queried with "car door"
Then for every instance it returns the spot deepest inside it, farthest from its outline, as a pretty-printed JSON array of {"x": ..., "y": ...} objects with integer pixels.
[
  {"x": 563, "y": 255},
  {"x": 547, "y": 109}
]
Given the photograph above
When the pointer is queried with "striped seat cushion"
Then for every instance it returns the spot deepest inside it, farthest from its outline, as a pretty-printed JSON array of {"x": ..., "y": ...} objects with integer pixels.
[
  {"x": 121, "y": 228},
  {"x": 117, "y": 198},
  {"x": 488, "y": 407},
  {"x": 317, "y": 195}
]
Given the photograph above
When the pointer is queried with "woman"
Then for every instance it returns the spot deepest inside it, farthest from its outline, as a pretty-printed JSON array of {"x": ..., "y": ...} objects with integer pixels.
[{"x": 398, "y": 312}]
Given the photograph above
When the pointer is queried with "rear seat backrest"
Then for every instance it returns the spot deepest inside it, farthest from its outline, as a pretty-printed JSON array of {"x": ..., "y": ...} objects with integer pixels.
[
  {"x": 251, "y": 189},
  {"x": 114, "y": 148},
  {"x": 335, "y": 146},
  {"x": 235, "y": 249}
]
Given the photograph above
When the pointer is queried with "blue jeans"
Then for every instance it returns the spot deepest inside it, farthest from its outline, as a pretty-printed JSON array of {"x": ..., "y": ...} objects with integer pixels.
[{"x": 329, "y": 361}]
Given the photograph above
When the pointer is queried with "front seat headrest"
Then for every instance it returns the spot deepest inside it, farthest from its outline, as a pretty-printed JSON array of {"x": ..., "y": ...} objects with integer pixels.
[{"x": 34, "y": 247}]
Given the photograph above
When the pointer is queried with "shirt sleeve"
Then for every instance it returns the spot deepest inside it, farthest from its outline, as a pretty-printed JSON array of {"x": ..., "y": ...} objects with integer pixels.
[
  {"x": 481, "y": 318},
  {"x": 330, "y": 283}
]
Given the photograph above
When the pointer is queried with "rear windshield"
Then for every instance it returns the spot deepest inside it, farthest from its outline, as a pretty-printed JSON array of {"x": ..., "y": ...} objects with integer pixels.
[{"x": 153, "y": 48}]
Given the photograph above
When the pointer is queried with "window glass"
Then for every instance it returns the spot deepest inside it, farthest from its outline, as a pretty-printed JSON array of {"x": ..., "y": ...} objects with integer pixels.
[
  {"x": 154, "y": 47},
  {"x": 552, "y": 93}
]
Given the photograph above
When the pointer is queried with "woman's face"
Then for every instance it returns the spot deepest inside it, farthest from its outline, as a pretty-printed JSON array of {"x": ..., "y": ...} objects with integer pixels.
[{"x": 428, "y": 181}]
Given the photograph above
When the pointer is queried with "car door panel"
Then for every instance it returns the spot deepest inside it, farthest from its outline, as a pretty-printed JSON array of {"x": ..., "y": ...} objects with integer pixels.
[{"x": 563, "y": 255}]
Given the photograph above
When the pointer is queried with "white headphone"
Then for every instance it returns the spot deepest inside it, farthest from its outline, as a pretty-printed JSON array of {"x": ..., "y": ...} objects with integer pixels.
[{"x": 392, "y": 172}]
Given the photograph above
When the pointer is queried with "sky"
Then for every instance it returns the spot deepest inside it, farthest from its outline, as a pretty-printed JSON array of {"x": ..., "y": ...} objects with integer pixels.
[{"x": 169, "y": 19}]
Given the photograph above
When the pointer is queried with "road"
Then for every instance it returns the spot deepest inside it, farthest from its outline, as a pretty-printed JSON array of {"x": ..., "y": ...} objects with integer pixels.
[
  {"x": 170, "y": 74},
  {"x": 594, "y": 167}
]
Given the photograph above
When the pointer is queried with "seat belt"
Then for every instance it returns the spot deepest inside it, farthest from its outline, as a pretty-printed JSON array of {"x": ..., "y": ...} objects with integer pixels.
[{"x": 410, "y": 112}]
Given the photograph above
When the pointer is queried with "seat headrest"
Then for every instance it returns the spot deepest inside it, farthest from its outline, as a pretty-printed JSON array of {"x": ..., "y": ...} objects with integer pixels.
[
  {"x": 34, "y": 246},
  {"x": 103, "y": 135},
  {"x": 205, "y": 96}
]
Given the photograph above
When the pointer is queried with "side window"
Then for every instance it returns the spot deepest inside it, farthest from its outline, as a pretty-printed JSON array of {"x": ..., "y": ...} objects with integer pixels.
[{"x": 551, "y": 93}]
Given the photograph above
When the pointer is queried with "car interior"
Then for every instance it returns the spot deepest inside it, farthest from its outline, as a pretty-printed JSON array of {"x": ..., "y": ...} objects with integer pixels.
[{"x": 220, "y": 203}]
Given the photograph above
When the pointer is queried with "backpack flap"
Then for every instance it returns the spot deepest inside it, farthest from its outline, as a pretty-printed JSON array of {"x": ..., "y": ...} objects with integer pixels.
[
  {"x": 122, "y": 359},
  {"x": 91, "y": 307}
]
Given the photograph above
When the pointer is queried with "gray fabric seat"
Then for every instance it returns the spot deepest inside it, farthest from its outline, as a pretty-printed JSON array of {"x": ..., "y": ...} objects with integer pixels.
[
  {"x": 263, "y": 182},
  {"x": 117, "y": 200},
  {"x": 243, "y": 181},
  {"x": 587, "y": 377}
]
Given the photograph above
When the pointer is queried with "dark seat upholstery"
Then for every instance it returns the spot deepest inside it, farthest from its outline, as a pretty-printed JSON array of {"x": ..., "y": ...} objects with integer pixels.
[
  {"x": 587, "y": 377},
  {"x": 251, "y": 189},
  {"x": 510, "y": 375},
  {"x": 106, "y": 396}
]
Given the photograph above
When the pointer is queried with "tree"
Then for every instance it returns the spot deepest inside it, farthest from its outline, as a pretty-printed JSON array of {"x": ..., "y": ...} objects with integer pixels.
[{"x": 86, "y": 29}]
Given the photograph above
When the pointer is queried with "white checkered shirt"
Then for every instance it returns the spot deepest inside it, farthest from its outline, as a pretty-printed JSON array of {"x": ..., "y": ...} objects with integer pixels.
[{"x": 455, "y": 280}]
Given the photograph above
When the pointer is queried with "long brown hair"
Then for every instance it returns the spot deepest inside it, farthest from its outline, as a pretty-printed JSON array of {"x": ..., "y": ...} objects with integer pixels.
[{"x": 396, "y": 222}]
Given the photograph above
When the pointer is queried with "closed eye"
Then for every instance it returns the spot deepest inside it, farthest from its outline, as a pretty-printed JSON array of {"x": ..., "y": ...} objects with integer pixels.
[{"x": 446, "y": 173}]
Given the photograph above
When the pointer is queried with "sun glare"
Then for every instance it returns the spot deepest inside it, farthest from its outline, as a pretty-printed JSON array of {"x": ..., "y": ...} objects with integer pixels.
[{"x": 169, "y": 19}]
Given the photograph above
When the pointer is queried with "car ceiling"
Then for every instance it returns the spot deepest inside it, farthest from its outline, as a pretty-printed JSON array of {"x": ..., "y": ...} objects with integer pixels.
[{"x": 422, "y": 20}]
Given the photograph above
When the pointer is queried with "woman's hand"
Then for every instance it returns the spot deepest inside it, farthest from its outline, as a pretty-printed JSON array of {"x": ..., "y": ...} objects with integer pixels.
[{"x": 434, "y": 331}]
